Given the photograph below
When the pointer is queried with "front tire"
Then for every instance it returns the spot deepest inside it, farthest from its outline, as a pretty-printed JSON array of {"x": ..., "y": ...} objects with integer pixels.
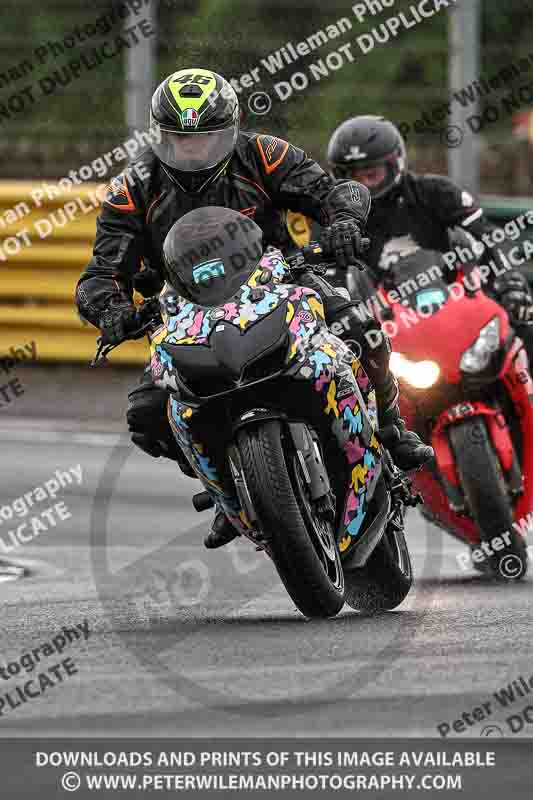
[
  {"x": 485, "y": 491},
  {"x": 303, "y": 546},
  {"x": 386, "y": 578}
]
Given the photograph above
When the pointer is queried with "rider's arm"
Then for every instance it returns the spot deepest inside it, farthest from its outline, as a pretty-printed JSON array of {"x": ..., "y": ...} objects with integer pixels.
[
  {"x": 107, "y": 279},
  {"x": 295, "y": 182},
  {"x": 455, "y": 207}
]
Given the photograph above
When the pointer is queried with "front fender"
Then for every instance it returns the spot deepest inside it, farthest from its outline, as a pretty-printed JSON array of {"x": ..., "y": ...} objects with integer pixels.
[
  {"x": 255, "y": 415},
  {"x": 498, "y": 431}
]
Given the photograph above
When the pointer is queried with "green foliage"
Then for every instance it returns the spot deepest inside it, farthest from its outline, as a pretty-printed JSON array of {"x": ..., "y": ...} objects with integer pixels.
[{"x": 399, "y": 79}]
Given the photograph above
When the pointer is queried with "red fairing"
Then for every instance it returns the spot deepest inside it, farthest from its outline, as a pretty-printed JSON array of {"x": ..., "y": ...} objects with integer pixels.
[
  {"x": 444, "y": 455},
  {"x": 449, "y": 333},
  {"x": 517, "y": 378}
]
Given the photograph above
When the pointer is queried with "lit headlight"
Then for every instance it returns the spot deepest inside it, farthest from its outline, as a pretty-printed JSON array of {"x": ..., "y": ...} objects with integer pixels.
[
  {"x": 419, "y": 374},
  {"x": 477, "y": 357}
]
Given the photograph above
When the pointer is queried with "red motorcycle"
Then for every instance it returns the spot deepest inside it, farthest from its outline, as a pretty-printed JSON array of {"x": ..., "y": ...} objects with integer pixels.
[{"x": 466, "y": 388}]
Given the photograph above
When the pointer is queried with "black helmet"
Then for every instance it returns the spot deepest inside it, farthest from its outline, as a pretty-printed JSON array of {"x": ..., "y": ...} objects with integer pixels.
[
  {"x": 210, "y": 252},
  {"x": 194, "y": 117},
  {"x": 370, "y": 150}
]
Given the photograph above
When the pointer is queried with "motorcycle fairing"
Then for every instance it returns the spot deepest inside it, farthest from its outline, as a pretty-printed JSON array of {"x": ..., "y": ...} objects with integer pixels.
[
  {"x": 309, "y": 357},
  {"x": 300, "y": 313},
  {"x": 515, "y": 374},
  {"x": 352, "y": 425},
  {"x": 191, "y": 324},
  {"x": 315, "y": 355},
  {"x": 443, "y": 337},
  {"x": 350, "y": 402},
  {"x": 179, "y": 416},
  {"x": 519, "y": 383},
  {"x": 428, "y": 341}
]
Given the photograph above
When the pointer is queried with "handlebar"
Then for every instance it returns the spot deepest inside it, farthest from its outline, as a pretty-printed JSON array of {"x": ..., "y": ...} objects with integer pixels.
[
  {"x": 314, "y": 255},
  {"x": 148, "y": 316}
]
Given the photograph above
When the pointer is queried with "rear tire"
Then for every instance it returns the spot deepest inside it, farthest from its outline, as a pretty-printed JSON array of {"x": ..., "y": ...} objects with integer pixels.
[
  {"x": 281, "y": 510},
  {"x": 483, "y": 484}
]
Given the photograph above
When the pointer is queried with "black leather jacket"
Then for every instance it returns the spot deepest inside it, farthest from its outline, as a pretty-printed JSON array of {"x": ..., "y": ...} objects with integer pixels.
[
  {"x": 420, "y": 213},
  {"x": 264, "y": 177}
]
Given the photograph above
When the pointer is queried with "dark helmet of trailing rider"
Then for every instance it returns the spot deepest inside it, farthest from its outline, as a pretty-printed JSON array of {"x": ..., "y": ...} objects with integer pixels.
[
  {"x": 210, "y": 252},
  {"x": 194, "y": 119},
  {"x": 370, "y": 150}
]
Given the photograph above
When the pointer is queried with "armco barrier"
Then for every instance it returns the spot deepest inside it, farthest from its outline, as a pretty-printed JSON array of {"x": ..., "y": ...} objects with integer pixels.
[{"x": 37, "y": 283}]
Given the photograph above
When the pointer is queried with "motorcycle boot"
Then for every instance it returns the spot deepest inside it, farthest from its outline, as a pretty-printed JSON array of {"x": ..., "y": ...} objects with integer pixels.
[
  {"x": 222, "y": 532},
  {"x": 407, "y": 450}
]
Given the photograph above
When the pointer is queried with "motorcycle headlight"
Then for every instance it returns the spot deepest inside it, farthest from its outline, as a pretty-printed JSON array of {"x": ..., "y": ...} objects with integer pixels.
[
  {"x": 419, "y": 374},
  {"x": 478, "y": 356}
]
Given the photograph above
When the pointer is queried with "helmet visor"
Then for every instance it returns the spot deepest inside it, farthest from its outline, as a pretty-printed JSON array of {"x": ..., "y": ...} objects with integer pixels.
[
  {"x": 379, "y": 177},
  {"x": 192, "y": 152},
  {"x": 371, "y": 177}
]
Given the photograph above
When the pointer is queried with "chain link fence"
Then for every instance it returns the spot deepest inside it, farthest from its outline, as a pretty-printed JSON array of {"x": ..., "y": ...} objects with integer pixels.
[{"x": 62, "y": 74}]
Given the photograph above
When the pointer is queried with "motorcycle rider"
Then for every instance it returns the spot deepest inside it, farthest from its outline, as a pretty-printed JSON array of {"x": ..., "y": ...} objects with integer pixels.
[
  {"x": 418, "y": 210},
  {"x": 201, "y": 158}
]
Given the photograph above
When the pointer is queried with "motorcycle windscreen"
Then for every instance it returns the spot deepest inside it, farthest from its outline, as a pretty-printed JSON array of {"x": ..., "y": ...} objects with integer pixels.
[
  {"x": 233, "y": 354},
  {"x": 419, "y": 280},
  {"x": 216, "y": 258}
]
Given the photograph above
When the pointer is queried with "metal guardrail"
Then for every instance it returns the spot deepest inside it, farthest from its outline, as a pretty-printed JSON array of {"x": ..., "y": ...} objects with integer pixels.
[{"x": 37, "y": 283}]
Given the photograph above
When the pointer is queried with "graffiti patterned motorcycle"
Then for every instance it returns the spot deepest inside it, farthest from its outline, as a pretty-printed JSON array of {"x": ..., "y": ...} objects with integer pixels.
[{"x": 279, "y": 422}]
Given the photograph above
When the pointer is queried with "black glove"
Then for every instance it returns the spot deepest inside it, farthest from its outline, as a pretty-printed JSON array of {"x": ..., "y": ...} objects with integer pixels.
[
  {"x": 343, "y": 241},
  {"x": 116, "y": 322},
  {"x": 513, "y": 293}
]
